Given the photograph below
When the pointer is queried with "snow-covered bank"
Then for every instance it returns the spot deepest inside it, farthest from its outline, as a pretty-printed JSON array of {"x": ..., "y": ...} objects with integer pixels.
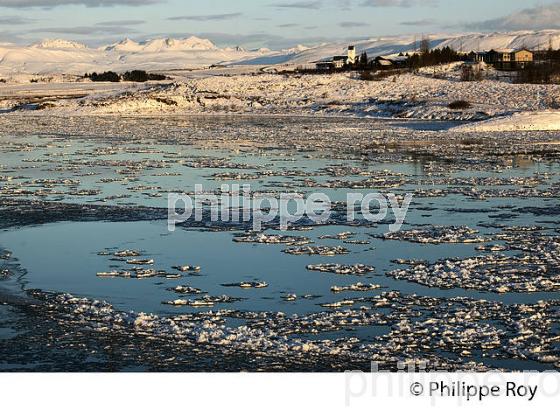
[
  {"x": 415, "y": 96},
  {"x": 525, "y": 121}
]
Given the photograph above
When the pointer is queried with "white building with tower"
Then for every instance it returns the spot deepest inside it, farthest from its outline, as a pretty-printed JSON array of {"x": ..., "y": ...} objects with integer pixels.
[{"x": 352, "y": 55}]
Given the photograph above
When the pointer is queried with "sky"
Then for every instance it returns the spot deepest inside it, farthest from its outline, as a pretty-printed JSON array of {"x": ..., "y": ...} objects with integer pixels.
[{"x": 264, "y": 23}]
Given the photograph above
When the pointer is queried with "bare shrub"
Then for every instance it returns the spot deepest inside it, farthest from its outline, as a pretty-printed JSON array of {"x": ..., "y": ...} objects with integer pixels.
[
  {"x": 472, "y": 141},
  {"x": 459, "y": 105}
]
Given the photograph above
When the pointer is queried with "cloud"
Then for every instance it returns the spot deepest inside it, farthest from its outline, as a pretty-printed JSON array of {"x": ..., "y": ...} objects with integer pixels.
[
  {"x": 12, "y": 37},
  {"x": 88, "y": 3},
  {"x": 352, "y": 24},
  {"x": 207, "y": 17},
  {"x": 398, "y": 3},
  {"x": 536, "y": 18},
  {"x": 287, "y": 25},
  {"x": 14, "y": 20},
  {"x": 344, "y": 4},
  {"x": 121, "y": 23},
  {"x": 85, "y": 30},
  {"x": 298, "y": 5},
  {"x": 423, "y": 22}
]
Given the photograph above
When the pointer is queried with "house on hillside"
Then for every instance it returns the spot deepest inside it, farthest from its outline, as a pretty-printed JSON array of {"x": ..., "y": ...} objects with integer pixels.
[
  {"x": 391, "y": 62},
  {"x": 509, "y": 59},
  {"x": 523, "y": 56}
]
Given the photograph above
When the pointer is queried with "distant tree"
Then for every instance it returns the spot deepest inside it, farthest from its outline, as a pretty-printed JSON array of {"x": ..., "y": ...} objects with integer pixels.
[
  {"x": 157, "y": 77},
  {"x": 425, "y": 46},
  {"x": 134, "y": 75},
  {"x": 434, "y": 57},
  {"x": 138, "y": 76},
  {"x": 364, "y": 59},
  {"x": 108, "y": 76}
]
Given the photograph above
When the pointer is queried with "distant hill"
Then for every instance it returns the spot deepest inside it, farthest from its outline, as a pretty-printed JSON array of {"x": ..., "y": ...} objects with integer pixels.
[
  {"x": 405, "y": 44},
  {"x": 64, "y": 56}
]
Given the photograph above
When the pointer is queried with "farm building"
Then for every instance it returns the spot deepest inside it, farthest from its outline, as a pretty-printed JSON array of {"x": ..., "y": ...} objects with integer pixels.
[
  {"x": 390, "y": 62},
  {"x": 505, "y": 59}
]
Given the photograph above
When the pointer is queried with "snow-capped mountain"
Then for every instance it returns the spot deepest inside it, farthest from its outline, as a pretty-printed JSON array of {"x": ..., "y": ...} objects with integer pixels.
[
  {"x": 160, "y": 45},
  {"x": 124, "y": 46},
  {"x": 63, "y": 56},
  {"x": 59, "y": 44},
  {"x": 295, "y": 50}
]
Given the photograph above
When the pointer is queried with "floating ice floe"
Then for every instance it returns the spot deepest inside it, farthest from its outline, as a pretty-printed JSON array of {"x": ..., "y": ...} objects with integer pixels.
[
  {"x": 290, "y": 297},
  {"x": 339, "y": 236},
  {"x": 5, "y": 255},
  {"x": 272, "y": 239},
  {"x": 140, "y": 261},
  {"x": 356, "y": 242},
  {"x": 338, "y": 269},
  {"x": 339, "y": 304},
  {"x": 412, "y": 262},
  {"x": 317, "y": 250},
  {"x": 138, "y": 273},
  {"x": 247, "y": 285},
  {"x": 204, "y": 301},
  {"x": 127, "y": 253},
  {"x": 186, "y": 290},
  {"x": 358, "y": 287},
  {"x": 437, "y": 235},
  {"x": 491, "y": 248},
  {"x": 114, "y": 274},
  {"x": 494, "y": 273},
  {"x": 187, "y": 268}
]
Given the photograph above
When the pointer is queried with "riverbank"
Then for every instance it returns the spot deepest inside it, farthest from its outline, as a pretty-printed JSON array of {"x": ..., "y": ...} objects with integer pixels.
[{"x": 406, "y": 96}]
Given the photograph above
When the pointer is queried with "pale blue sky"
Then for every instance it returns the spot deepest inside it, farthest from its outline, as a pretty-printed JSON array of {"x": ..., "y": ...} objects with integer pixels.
[{"x": 272, "y": 23}]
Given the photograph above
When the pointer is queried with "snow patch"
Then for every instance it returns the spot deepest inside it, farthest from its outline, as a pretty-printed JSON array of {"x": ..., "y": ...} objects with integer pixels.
[{"x": 524, "y": 121}]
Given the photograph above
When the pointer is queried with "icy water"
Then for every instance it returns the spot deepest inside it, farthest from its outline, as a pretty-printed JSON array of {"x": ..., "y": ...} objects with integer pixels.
[{"x": 67, "y": 255}]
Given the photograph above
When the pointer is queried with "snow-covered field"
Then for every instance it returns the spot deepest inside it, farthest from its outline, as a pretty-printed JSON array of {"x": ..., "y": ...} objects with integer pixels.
[{"x": 415, "y": 96}]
